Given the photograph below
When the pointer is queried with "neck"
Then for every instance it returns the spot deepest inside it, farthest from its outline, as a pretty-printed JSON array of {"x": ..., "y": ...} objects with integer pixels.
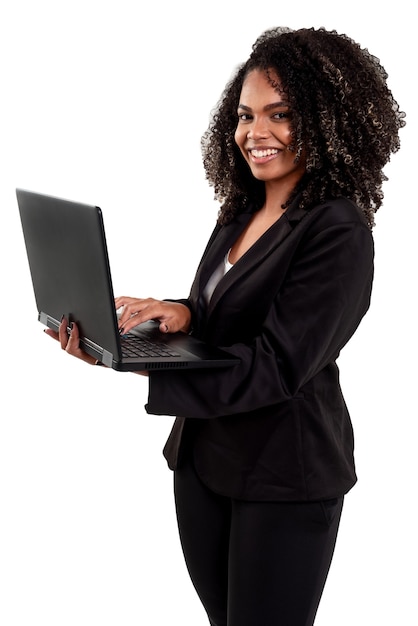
[
  {"x": 279, "y": 192},
  {"x": 275, "y": 199}
]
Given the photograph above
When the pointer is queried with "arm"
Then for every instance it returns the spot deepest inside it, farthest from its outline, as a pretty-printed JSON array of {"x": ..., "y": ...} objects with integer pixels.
[
  {"x": 316, "y": 311},
  {"x": 173, "y": 316}
]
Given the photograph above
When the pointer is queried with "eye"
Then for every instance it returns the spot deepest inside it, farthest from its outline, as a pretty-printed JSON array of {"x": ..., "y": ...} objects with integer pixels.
[
  {"x": 244, "y": 117},
  {"x": 282, "y": 115}
]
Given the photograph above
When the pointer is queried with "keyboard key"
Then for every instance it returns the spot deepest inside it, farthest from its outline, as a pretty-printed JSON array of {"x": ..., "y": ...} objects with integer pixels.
[{"x": 133, "y": 346}]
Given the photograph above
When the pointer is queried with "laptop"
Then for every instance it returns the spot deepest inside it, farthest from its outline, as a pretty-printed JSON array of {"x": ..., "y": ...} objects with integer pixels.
[{"x": 69, "y": 265}]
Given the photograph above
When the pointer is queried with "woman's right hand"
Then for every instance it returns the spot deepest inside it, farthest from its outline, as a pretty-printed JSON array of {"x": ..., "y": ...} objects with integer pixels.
[
  {"x": 70, "y": 342},
  {"x": 172, "y": 316}
]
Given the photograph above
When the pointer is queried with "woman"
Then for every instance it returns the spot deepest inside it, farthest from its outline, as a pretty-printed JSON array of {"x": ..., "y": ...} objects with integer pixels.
[{"x": 262, "y": 453}]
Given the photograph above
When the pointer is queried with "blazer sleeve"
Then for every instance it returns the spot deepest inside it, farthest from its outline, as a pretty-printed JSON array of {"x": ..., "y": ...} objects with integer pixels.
[{"x": 315, "y": 312}]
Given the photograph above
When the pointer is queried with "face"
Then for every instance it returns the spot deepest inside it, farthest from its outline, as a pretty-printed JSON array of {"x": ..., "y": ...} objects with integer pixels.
[{"x": 263, "y": 132}]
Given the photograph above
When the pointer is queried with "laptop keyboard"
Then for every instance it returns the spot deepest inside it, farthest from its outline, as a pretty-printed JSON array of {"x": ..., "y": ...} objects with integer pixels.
[{"x": 133, "y": 346}]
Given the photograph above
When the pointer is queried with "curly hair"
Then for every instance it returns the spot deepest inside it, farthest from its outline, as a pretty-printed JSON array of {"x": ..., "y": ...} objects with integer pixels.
[{"x": 344, "y": 119}]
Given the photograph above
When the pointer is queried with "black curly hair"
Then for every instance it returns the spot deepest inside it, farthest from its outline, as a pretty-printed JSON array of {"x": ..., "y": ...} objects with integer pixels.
[{"x": 344, "y": 118}]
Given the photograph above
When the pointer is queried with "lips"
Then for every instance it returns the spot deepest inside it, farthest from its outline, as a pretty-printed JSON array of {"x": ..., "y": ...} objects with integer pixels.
[{"x": 261, "y": 154}]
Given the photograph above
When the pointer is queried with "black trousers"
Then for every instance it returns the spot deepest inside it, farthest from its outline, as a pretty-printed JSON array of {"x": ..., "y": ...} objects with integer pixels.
[{"x": 255, "y": 563}]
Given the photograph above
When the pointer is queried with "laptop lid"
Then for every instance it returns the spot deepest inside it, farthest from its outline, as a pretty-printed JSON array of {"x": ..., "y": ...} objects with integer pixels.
[{"x": 69, "y": 265}]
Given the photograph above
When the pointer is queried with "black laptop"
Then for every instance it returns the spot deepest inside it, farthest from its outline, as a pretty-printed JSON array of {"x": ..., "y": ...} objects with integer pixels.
[{"x": 69, "y": 264}]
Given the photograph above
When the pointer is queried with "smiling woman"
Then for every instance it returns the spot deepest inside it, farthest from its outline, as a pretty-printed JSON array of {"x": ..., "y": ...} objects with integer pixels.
[
  {"x": 264, "y": 136},
  {"x": 263, "y": 452},
  {"x": 344, "y": 121}
]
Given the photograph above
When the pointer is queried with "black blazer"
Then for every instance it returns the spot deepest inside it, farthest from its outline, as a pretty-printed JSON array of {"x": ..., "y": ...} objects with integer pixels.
[{"x": 275, "y": 426}]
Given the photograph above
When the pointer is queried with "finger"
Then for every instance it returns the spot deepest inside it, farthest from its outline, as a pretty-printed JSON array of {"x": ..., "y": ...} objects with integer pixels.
[
  {"x": 63, "y": 333},
  {"x": 129, "y": 309},
  {"x": 135, "y": 319},
  {"x": 123, "y": 301},
  {"x": 138, "y": 311},
  {"x": 73, "y": 343},
  {"x": 51, "y": 333},
  {"x": 120, "y": 301}
]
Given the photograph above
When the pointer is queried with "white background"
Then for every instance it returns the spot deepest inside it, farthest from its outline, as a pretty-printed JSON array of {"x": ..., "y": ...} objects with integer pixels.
[{"x": 105, "y": 102}]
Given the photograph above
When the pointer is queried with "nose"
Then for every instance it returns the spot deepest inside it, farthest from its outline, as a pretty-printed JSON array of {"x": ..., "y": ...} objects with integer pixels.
[{"x": 258, "y": 129}]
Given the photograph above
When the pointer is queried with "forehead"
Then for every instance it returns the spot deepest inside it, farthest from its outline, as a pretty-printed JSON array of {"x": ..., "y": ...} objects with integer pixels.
[{"x": 261, "y": 83}]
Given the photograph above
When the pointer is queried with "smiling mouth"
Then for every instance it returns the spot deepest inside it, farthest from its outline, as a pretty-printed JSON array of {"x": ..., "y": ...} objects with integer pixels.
[{"x": 262, "y": 154}]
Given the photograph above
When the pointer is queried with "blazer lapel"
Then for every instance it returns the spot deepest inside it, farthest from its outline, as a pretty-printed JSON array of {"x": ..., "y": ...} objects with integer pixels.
[
  {"x": 216, "y": 252},
  {"x": 262, "y": 248}
]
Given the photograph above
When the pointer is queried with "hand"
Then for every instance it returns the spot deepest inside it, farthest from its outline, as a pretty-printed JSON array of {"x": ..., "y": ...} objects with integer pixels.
[
  {"x": 172, "y": 316},
  {"x": 70, "y": 342}
]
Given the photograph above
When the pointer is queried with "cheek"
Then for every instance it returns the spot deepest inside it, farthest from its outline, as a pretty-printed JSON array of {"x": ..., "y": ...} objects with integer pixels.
[
  {"x": 287, "y": 136},
  {"x": 239, "y": 137}
]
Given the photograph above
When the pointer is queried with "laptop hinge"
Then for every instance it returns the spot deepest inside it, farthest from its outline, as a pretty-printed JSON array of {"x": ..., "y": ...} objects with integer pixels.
[
  {"x": 107, "y": 358},
  {"x": 47, "y": 320}
]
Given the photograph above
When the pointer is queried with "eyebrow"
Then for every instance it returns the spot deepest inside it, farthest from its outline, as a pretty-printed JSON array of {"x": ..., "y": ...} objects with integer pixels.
[{"x": 268, "y": 107}]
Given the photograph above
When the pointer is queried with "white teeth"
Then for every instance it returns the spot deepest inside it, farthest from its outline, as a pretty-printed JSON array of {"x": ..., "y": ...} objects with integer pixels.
[{"x": 259, "y": 154}]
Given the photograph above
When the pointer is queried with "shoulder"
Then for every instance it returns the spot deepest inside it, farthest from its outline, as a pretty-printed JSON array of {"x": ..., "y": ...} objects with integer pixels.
[
  {"x": 338, "y": 212},
  {"x": 338, "y": 226},
  {"x": 337, "y": 215}
]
